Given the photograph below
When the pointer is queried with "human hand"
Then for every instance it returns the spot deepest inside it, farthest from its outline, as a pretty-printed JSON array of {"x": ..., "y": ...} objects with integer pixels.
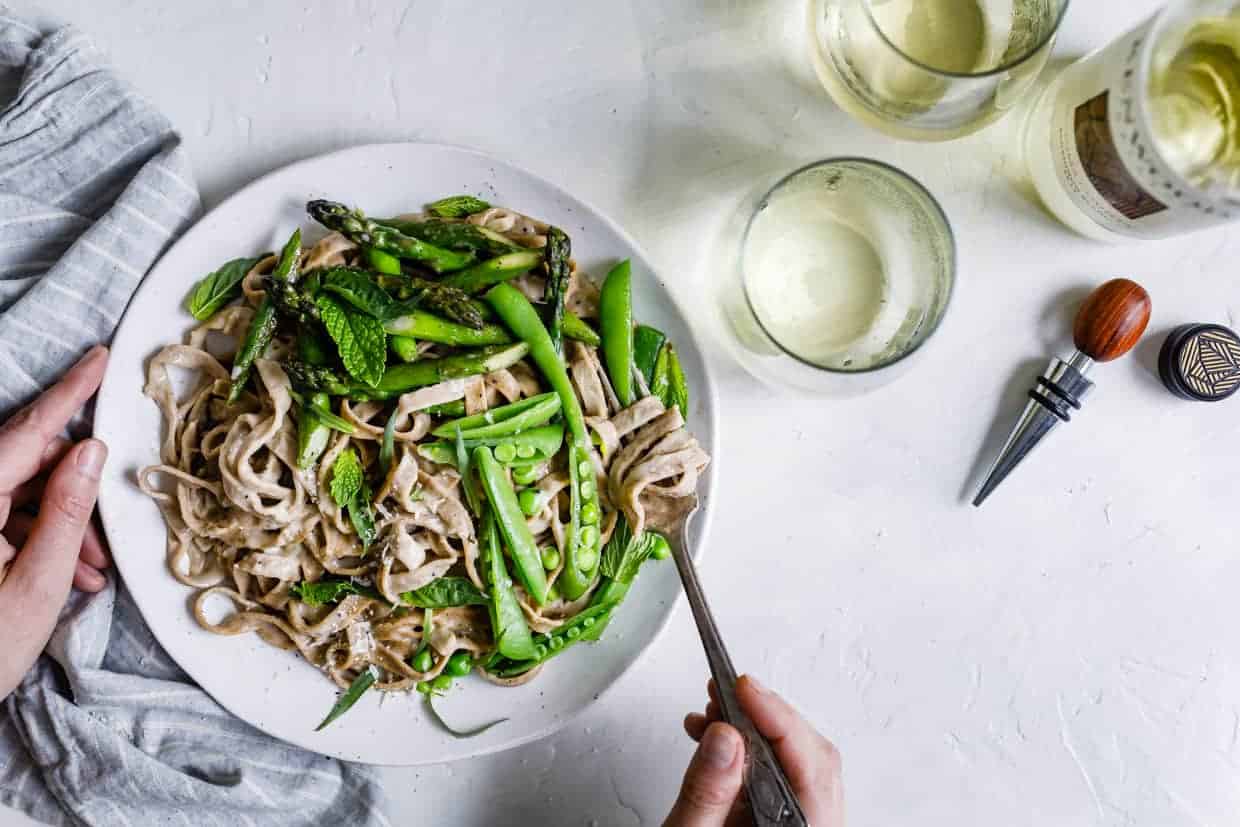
[
  {"x": 60, "y": 545},
  {"x": 711, "y": 793}
]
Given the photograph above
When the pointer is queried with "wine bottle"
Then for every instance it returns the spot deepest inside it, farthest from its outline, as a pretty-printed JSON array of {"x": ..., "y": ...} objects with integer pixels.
[{"x": 1141, "y": 139}]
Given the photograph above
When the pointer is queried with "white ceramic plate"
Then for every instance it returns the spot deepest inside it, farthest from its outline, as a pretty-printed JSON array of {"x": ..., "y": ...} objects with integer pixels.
[{"x": 277, "y": 691}]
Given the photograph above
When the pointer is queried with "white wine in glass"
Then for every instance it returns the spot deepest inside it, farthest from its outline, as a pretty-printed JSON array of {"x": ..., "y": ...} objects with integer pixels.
[{"x": 931, "y": 69}]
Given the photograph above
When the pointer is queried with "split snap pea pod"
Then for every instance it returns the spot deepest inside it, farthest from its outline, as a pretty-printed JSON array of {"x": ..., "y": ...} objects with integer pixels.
[
  {"x": 494, "y": 271},
  {"x": 526, "y": 448},
  {"x": 547, "y": 646},
  {"x": 420, "y": 324},
  {"x": 506, "y": 419},
  {"x": 647, "y": 342},
  {"x": 615, "y": 307},
  {"x": 508, "y": 626},
  {"x": 263, "y": 327},
  {"x": 507, "y": 514},
  {"x": 581, "y": 542}
]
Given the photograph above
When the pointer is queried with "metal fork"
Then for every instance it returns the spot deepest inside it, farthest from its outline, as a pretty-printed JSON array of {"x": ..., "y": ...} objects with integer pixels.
[{"x": 771, "y": 799}]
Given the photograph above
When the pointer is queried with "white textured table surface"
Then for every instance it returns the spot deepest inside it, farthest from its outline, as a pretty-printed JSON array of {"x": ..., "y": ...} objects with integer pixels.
[{"x": 1068, "y": 655}]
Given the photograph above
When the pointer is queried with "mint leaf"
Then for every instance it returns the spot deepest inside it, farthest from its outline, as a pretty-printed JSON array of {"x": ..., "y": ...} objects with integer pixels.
[
  {"x": 457, "y": 206},
  {"x": 359, "y": 339},
  {"x": 219, "y": 288},
  {"x": 346, "y": 478},
  {"x": 445, "y": 592},
  {"x": 357, "y": 288}
]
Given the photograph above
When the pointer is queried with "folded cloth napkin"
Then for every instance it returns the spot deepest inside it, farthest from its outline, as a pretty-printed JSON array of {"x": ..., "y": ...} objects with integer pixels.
[{"x": 106, "y": 729}]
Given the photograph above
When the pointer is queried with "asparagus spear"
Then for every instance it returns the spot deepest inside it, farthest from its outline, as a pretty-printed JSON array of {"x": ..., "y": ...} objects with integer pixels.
[
  {"x": 422, "y": 325},
  {"x": 263, "y": 327},
  {"x": 457, "y": 206},
  {"x": 559, "y": 248},
  {"x": 361, "y": 230},
  {"x": 493, "y": 271},
  {"x": 399, "y": 379},
  {"x": 453, "y": 235}
]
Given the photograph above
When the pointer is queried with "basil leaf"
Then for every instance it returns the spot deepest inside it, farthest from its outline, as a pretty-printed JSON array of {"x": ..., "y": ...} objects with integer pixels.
[
  {"x": 457, "y": 206},
  {"x": 357, "y": 288},
  {"x": 325, "y": 591},
  {"x": 219, "y": 288},
  {"x": 347, "y": 478},
  {"x": 359, "y": 339},
  {"x": 360, "y": 684},
  {"x": 444, "y": 593}
]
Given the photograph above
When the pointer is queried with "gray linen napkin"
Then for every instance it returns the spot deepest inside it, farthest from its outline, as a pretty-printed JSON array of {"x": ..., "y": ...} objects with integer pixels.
[{"x": 106, "y": 730}]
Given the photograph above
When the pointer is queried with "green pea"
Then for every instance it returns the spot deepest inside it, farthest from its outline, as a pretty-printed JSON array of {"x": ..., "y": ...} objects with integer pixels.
[
  {"x": 459, "y": 665},
  {"x": 442, "y": 683},
  {"x": 587, "y": 556},
  {"x": 424, "y": 687},
  {"x": 588, "y": 536},
  {"x": 505, "y": 452},
  {"x": 529, "y": 502},
  {"x": 589, "y": 513},
  {"x": 525, "y": 474},
  {"x": 588, "y": 622},
  {"x": 525, "y": 450},
  {"x": 573, "y": 633},
  {"x": 423, "y": 661},
  {"x": 550, "y": 558},
  {"x": 556, "y": 644},
  {"x": 661, "y": 551},
  {"x": 587, "y": 489},
  {"x": 540, "y": 651},
  {"x": 584, "y": 468}
]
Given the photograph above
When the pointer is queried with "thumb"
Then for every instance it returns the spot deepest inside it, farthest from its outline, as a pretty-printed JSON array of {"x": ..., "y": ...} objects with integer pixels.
[
  {"x": 712, "y": 781},
  {"x": 44, "y": 568}
]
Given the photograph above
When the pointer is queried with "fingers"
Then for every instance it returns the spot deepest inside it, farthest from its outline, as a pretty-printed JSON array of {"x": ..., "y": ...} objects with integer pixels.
[
  {"x": 26, "y": 436},
  {"x": 811, "y": 762},
  {"x": 49, "y": 557},
  {"x": 712, "y": 781},
  {"x": 95, "y": 547},
  {"x": 92, "y": 556},
  {"x": 87, "y": 578}
]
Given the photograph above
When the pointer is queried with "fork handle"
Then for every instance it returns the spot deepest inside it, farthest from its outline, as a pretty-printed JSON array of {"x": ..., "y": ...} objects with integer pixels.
[{"x": 771, "y": 799}]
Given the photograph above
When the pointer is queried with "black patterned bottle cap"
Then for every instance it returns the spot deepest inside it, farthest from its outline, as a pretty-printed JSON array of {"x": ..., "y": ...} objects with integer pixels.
[{"x": 1201, "y": 362}]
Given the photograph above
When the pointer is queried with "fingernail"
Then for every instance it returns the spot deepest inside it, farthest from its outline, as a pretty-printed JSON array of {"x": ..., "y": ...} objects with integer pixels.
[
  {"x": 91, "y": 457},
  {"x": 757, "y": 685},
  {"x": 718, "y": 747}
]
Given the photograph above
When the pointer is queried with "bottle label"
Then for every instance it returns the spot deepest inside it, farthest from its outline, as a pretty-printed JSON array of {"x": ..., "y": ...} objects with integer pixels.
[{"x": 1106, "y": 158}]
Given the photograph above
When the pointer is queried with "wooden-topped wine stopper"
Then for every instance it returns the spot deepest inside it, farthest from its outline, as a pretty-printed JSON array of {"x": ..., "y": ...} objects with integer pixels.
[{"x": 1108, "y": 325}]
